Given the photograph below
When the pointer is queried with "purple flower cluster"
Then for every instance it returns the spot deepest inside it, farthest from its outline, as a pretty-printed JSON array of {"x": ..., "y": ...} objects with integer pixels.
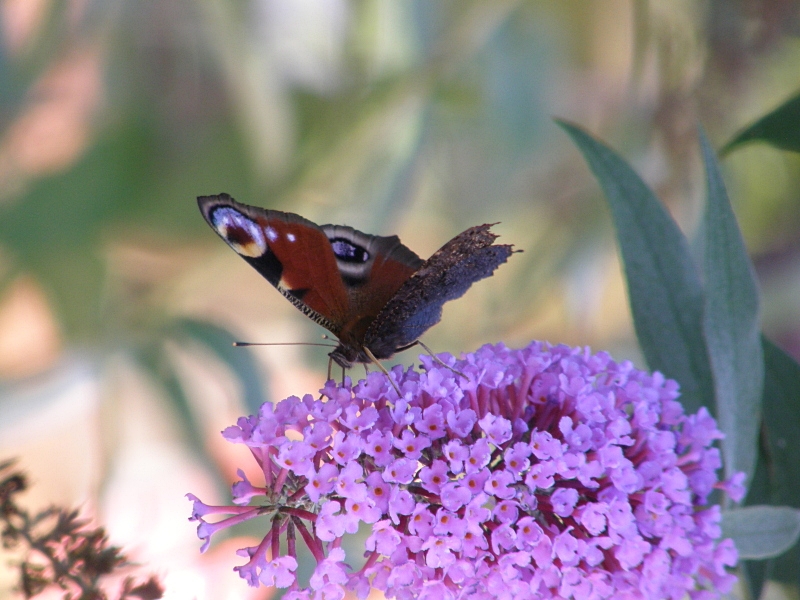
[{"x": 548, "y": 472}]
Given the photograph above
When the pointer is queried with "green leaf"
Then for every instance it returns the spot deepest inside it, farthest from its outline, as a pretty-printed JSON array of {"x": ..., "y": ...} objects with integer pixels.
[
  {"x": 664, "y": 287},
  {"x": 762, "y": 531},
  {"x": 781, "y": 414},
  {"x": 157, "y": 364},
  {"x": 781, "y": 410},
  {"x": 239, "y": 360},
  {"x": 779, "y": 128},
  {"x": 731, "y": 324},
  {"x": 754, "y": 572}
]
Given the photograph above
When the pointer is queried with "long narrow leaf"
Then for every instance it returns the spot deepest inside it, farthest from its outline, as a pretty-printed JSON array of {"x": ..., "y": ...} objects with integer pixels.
[
  {"x": 781, "y": 408},
  {"x": 762, "y": 531},
  {"x": 779, "y": 128},
  {"x": 157, "y": 365},
  {"x": 731, "y": 323},
  {"x": 754, "y": 572},
  {"x": 239, "y": 360},
  {"x": 664, "y": 287}
]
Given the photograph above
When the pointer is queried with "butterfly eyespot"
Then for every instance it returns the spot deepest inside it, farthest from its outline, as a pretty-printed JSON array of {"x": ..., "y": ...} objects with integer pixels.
[
  {"x": 241, "y": 233},
  {"x": 348, "y": 252}
]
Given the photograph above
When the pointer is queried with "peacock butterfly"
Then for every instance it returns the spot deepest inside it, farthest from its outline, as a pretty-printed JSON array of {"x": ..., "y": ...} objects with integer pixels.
[{"x": 374, "y": 294}]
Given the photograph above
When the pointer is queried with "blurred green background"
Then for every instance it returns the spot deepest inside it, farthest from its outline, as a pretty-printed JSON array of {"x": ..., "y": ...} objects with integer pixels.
[{"x": 420, "y": 118}]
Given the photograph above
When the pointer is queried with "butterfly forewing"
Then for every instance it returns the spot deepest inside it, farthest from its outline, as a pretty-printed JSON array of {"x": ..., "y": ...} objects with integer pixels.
[
  {"x": 338, "y": 276},
  {"x": 291, "y": 252}
]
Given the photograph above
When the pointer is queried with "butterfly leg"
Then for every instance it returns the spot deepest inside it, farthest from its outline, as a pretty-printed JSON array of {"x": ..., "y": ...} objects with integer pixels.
[
  {"x": 382, "y": 368},
  {"x": 437, "y": 360}
]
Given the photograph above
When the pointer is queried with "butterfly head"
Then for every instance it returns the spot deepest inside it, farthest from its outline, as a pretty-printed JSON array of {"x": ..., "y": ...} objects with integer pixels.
[{"x": 347, "y": 356}]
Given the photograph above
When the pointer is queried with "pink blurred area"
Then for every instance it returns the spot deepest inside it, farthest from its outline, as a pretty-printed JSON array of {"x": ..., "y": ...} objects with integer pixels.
[
  {"x": 128, "y": 472},
  {"x": 54, "y": 125}
]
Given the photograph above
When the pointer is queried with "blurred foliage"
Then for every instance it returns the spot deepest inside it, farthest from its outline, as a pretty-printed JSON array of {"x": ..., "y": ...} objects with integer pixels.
[{"x": 420, "y": 118}]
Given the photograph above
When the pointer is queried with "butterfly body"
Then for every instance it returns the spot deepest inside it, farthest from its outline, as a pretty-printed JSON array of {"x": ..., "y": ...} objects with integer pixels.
[{"x": 373, "y": 293}]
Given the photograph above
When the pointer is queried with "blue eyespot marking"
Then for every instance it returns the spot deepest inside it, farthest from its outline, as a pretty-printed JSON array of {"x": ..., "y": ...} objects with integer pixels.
[
  {"x": 348, "y": 252},
  {"x": 243, "y": 234}
]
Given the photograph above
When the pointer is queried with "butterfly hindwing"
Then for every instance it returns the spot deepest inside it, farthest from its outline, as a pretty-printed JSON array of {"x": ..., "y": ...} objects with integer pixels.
[
  {"x": 447, "y": 275},
  {"x": 372, "y": 268}
]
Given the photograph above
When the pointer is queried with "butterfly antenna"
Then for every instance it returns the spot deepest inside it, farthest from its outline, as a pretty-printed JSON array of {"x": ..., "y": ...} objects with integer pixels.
[
  {"x": 369, "y": 353},
  {"x": 246, "y": 344},
  {"x": 439, "y": 361}
]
